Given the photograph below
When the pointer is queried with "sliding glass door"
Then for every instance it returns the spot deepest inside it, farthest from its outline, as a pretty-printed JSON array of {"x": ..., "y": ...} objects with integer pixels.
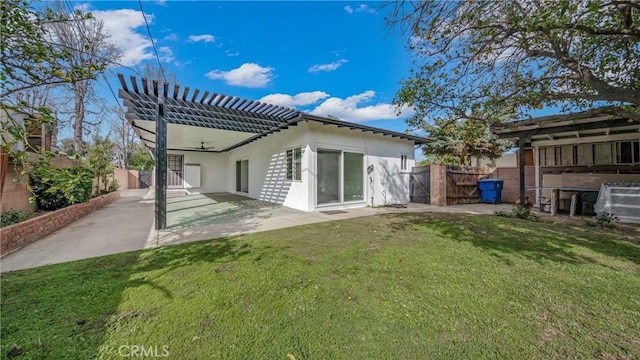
[
  {"x": 328, "y": 176},
  {"x": 353, "y": 165},
  {"x": 340, "y": 176}
]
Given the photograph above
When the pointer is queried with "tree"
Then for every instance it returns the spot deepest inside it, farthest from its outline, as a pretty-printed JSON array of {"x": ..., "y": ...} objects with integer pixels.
[
  {"x": 99, "y": 160},
  {"x": 457, "y": 141},
  {"x": 141, "y": 159},
  {"x": 86, "y": 46},
  {"x": 494, "y": 58},
  {"x": 124, "y": 138},
  {"x": 29, "y": 60},
  {"x": 155, "y": 73}
]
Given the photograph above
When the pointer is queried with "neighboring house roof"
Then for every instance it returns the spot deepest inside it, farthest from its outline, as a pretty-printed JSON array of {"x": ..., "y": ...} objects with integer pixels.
[
  {"x": 243, "y": 120},
  {"x": 585, "y": 124}
]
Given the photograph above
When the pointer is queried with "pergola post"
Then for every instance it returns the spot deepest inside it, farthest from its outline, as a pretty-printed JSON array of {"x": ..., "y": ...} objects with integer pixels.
[
  {"x": 521, "y": 143},
  {"x": 161, "y": 167}
]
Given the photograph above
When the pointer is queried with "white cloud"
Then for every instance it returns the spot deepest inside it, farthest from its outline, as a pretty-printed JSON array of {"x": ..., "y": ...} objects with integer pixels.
[
  {"x": 122, "y": 25},
  {"x": 301, "y": 99},
  {"x": 161, "y": 2},
  {"x": 171, "y": 37},
  {"x": 360, "y": 8},
  {"x": 248, "y": 75},
  {"x": 204, "y": 38},
  {"x": 166, "y": 54},
  {"x": 328, "y": 67},
  {"x": 348, "y": 109},
  {"x": 229, "y": 53}
]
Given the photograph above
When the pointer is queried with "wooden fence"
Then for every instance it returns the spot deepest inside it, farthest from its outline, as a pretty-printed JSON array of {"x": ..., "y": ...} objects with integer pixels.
[
  {"x": 442, "y": 185},
  {"x": 420, "y": 184},
  {"x": 462, "y": 183}
]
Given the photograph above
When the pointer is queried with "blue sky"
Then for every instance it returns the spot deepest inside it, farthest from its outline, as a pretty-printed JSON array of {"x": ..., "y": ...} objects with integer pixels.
[{"x": 326, "y": 58}]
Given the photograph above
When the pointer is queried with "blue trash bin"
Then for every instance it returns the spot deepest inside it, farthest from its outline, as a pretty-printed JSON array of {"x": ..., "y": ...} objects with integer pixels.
[{"x": 491, "y": 190}]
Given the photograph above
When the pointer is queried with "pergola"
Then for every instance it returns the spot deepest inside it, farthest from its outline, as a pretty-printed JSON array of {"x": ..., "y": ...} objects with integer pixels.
[
  {"x": 171, "y": 118},
  {"x": 594, "y": 125}
]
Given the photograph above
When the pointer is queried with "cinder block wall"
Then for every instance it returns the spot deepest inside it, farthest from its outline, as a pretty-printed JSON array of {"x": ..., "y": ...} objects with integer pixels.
[
  {"x": 15, "y": 194},
  {"x": 511, "y": 177}
]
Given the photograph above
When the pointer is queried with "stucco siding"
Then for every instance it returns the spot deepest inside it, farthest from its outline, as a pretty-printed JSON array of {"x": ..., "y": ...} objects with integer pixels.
[
  {"x": 268, "y": 168},
  {"x": 213, "y": 169},
  {"x": 386, "y": 183}
]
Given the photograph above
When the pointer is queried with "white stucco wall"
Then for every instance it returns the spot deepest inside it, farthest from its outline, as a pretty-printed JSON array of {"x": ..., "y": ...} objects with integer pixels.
[
  {"x": 213, "y": 169},
  {"x": 386, "y": 184},
  {"x": 268, "y": 168}
]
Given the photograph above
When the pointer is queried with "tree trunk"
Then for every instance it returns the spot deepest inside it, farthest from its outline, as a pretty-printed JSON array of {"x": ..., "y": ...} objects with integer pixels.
[{"x": 78, "y": 121}]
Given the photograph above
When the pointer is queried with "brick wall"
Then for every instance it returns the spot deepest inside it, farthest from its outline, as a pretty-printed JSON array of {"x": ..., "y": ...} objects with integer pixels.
[{"x": 17, "y": 236}]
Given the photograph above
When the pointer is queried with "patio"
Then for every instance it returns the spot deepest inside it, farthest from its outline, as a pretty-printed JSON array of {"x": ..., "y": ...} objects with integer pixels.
[{"x": 220, "y": 208}]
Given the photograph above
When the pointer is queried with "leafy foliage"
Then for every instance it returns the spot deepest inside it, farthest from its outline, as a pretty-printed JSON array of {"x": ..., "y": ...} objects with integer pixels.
[
  {"x": 30, "y": 57},
  {"x": 457, "y": 141},
  {"x": 11, "y": 216},
  {"x": 99, "y": 160},
  {"x": 56, "y": 188},
  {"x": 519, "y": 212},
  {"x": 141, "y": 160},
  {"x": 606, "y": 219},
  {"x": 486, "y": 59}
]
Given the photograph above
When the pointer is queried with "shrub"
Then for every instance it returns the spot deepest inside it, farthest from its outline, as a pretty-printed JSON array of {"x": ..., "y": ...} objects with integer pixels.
[
  {"x": 520, "y": 212},
  {"x": 55, "y": 188},
  {"x": 114, "y": 185},
  {"x": 606, "y": 219},
  {"x": 11, "y": 217}
]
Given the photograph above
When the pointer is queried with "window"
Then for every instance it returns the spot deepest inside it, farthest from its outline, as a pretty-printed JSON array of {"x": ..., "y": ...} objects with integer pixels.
[
  {"x": 403, "y": 162},
  {"x": 624, "y": 152},
  {"x": 174, "y": 170},
  {"x": 294, "y": 164}
]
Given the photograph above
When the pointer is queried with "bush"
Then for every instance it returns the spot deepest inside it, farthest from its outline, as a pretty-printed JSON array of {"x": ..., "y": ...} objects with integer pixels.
[
  {"x": 520, "y": 212},
  {"x": 11, "y": 217},
  {"x": 55, "y": 188},
  {"x": 114, "y": 185}
]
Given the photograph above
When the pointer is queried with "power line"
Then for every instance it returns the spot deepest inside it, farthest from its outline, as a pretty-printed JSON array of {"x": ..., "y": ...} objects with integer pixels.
[
  {"x": 113, "y": 93},
  {"x": 153, "y": 43}
]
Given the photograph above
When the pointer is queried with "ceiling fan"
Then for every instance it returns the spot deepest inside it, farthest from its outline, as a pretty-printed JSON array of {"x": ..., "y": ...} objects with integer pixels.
[{"x": 202, "y": 147}]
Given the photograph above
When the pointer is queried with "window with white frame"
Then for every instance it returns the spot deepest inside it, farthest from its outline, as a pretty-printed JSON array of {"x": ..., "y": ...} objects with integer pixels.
[
  {"x": 294, "y": 164},
  {"x": 403, "y": 162}
]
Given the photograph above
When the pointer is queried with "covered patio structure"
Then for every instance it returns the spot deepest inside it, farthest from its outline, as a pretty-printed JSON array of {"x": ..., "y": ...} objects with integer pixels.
[
  {"x": 577, "y": 151},
  {"x": 218, "y": 143}
]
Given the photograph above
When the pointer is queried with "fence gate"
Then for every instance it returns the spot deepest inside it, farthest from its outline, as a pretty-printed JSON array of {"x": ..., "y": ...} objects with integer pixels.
[
  {"x": 462, "y": 183},
  {"x": 419, "y": 184},
  {"x": 144, "y": 179}
]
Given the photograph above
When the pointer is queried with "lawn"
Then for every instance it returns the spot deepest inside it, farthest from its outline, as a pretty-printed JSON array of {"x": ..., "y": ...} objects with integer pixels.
[{"x": 406, "y": 286}]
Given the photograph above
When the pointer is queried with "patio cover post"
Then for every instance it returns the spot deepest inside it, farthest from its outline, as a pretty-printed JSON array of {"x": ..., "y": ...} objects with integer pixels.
[
  {"x": 521, "y": 144},
  {"x": 161, "y": 167}
]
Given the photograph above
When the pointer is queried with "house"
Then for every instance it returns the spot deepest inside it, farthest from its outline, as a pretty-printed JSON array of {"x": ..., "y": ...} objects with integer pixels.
[
  {"x": 577, "y": 151},
  {"x": 220, "y": 143}
]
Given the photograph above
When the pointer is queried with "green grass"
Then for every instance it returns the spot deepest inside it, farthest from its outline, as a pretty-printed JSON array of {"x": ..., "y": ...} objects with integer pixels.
[{"x": 410, "y": 286}]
